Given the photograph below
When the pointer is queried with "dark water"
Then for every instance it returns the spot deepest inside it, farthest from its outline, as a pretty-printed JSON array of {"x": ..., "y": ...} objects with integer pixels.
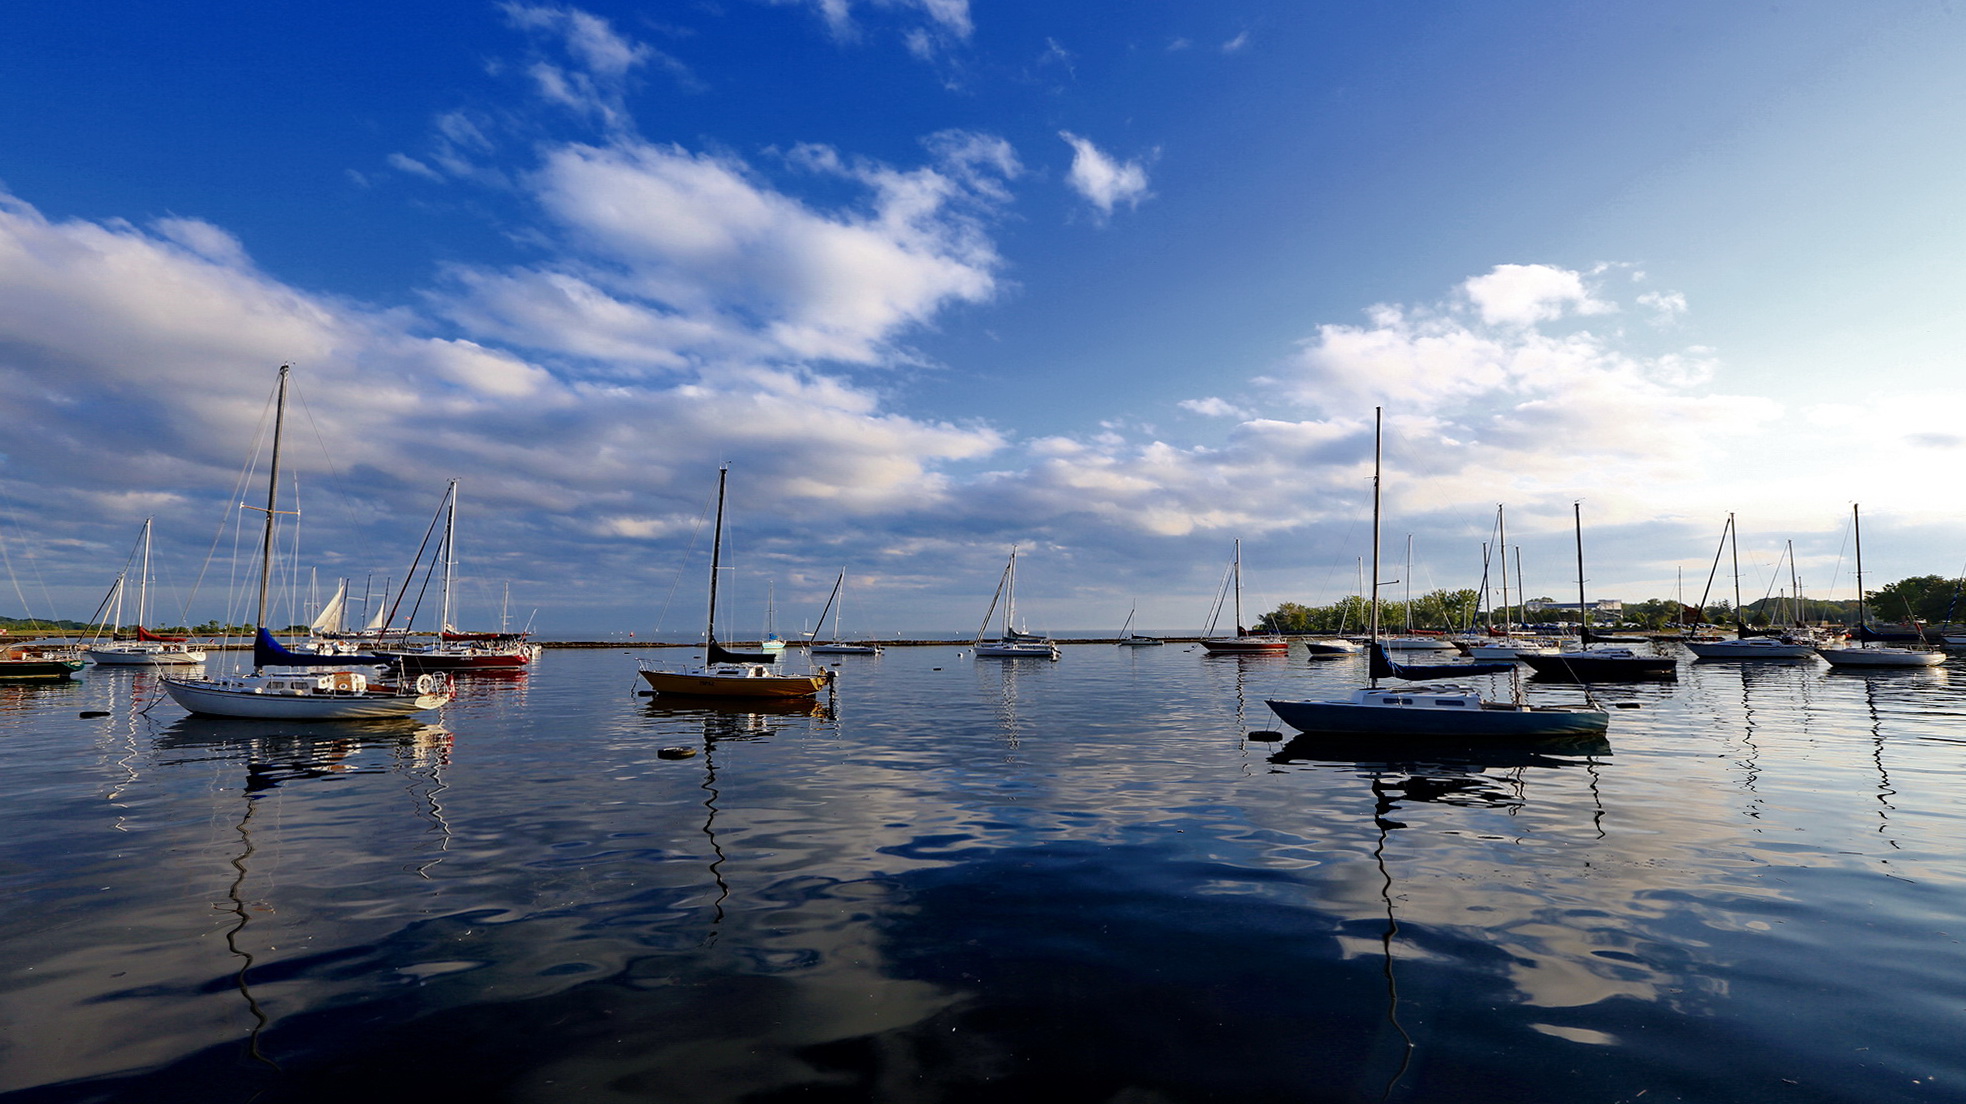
[{"x": 986, "y": 880}]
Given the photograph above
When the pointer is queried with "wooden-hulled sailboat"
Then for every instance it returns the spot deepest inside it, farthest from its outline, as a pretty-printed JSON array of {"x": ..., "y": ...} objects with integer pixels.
[
  {"x": 145, "y": 648},
  {"x": 1864, "y": 653},
  {"x": 295, "y": 686},
  {"x": 1438, "y": 710},
  {"x": 1244, "y": 642},
  {"x": 725, "y": 673},
  {"x": 454, "y": 650},
  {"x": 1012, "y": 642}
]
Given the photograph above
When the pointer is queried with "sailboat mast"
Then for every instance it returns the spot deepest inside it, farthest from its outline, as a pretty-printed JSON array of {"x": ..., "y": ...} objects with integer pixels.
[
  {"x": 1237, "y": 573},
  {"x": 1734, "y": 548},
  {"x": 716, "y": 556},
  {"x": 143, "y": 580},
  {"x": 450, "y": 555},
  {"x": 1857, "y": 531},
  {"x": 1583, "y": 611},
  {"x": 272, "y": 499},
  {"x": 1377, "y": 417},
  {"x": 1502, "y": 547}
]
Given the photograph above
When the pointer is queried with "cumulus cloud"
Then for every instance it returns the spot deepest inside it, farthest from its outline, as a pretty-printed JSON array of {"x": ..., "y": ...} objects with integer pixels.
[
  {"x": 592, "y": 78},
  {"x": 1524, "y": 295},
  {"x": 1103, "y": 181},
  {"x": 1212, "y": 407}
]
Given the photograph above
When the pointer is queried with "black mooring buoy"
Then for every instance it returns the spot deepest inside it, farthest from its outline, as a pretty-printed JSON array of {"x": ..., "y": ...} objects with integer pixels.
[{"x": 675, "y": 753}]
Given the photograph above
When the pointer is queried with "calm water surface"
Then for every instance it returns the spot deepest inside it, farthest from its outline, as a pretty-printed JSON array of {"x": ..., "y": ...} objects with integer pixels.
[{"x": 980, "y": 880}]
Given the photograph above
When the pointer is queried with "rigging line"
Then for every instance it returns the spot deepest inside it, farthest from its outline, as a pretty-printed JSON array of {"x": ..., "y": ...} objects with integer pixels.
[
  {"x": 27, "y": 550},
  {"x": 227, "y": 515}
]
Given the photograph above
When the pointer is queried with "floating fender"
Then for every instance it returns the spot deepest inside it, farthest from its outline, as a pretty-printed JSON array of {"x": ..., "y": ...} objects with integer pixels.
[
  {"x": 676, "y": 753},
  {"x": 95, "y": 712}
]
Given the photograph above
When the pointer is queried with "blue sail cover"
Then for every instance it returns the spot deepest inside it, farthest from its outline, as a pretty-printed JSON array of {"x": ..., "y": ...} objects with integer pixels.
[
  {"x": 1384, "y": 667},
  {"x": 268, "y": 652}
]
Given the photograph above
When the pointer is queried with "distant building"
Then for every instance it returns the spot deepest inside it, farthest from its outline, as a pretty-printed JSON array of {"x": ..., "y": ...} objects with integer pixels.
[{"x": 1602, "y": 605}]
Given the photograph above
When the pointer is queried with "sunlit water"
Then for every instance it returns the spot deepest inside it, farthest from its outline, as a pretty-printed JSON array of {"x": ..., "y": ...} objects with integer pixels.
[{"x": 980, "y": 880}]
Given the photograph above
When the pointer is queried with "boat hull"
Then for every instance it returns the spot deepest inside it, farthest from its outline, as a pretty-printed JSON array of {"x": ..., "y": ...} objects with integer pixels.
[
  {"x": 844, "y": 649},
  {"x": 1584, "y": 667},
  {"x": 714, "y": 683},
  {"x": 1490, "y": 721},
  {"x": 1881, "y": 657},
  {"x": 140, "y": 656},
  {"x": 1246, "y": 646},
  {"x": 212, "y": 700},
  {"x": 462, "y": 660},
  {"x": 39, "y": 668},
  {"x": 1762, "y": 648}
]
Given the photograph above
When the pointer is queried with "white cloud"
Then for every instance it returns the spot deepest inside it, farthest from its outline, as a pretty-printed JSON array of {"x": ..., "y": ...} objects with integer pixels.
[
  {"x": 1237, "y": 44},
  {"x": 1103, "y": 181},
  {"x": 1524, "y": 295},
  {"x": 1213, "y": 407}
]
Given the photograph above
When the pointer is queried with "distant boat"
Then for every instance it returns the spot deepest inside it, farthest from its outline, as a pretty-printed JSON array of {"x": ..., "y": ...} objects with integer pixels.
[
  {"x": 454, "y": 650},
  {"x": 1244, "y": 642},
  {"x": 1440, "y": 710},
  {"x": 1587, "y": 664},
  {"x": 145, "y": 648},
  {"x": 1745, "y": 646},
  {"x": 1129, "y": 639},
  {"x": 1011, "y": 642},
  {"x": 725, "y": 673},
  {"x": 836, "y": 646},
  {"x": 287, "y": 685},
  {"x": 1865, "y": 653}
]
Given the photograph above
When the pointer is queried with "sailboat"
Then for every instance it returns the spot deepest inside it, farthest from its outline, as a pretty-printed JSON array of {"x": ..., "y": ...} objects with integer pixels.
[
  {"x": 1011, "y": 643},
  {"x": 1244, "y": 642},
  {"x": 725, "y": 673},
  {"x": 1587, "y": 664},
  {"x": 1745, "y": 646},
  {"x": 1450, "y": 710},
  {"x": 148, "y": 649},
  {"x": 454, "y": 650},
  {"x": 1131, "y": 639},
  {"x": 287, "y": 685},
  {"x": 834, "y": 603},
  {"x": 1863, "y": 654},
  {"x": 1503, "y": 643}
]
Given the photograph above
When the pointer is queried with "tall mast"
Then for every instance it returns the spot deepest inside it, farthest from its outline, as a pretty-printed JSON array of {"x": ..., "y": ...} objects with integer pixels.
[
  {"x": 1236, "y": 565},
  {"x": 1856, "y": 530},
  {"x": 716, "y": 555},
  {"x": 1374, "y": 630},
  {"x": 1583, "y": 611},
  {"x": 1502, "y": 546},
  {"x": 272, "y": 500},
  {"x": 143, "y": 580},
  {"x": 1734, "y": 547},
  {"x": 450, "y": 555}
]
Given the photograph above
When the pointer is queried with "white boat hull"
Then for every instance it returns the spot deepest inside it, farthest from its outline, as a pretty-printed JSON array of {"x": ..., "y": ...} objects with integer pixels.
[
  {"x": 213, "y": 698},
  {"x": 1881, "y": 657},
  {"x": 1009, "y": 650},
  {"x": 1752, "y": 648},
  {"x": 845, "y": 649},
  {"x": 152, "y": 655}
]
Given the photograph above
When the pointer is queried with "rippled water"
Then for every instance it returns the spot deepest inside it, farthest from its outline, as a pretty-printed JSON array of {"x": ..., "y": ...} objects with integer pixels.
[{"x": 974, "y": 880}]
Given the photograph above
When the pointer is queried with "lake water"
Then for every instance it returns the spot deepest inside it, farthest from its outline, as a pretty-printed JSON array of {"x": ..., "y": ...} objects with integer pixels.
[{"x": 981, "y": 880}]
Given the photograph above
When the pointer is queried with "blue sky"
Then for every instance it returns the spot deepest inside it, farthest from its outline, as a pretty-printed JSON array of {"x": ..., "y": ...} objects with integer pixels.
[{"x": 1117, "y": 284}]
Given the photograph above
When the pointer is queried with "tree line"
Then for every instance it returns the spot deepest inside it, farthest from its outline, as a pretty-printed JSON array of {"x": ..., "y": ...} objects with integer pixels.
[{"x": 1927, "y": 599}]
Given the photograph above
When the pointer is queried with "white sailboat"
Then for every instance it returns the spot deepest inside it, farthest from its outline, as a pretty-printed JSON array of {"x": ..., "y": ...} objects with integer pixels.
[
  {"x": 1866, "y": 654},
  {"x": 724, "y": 673},
  {"x": 454, "y": 650},
  {"x": 293, "y": 686},
  {"x": 1011, "y": 643},
  {"x": 834, "y": 605},
  {"x": 1437, "y": 710},
  {"x": 147, "y": 649},
  {"x": 1131, "y": 639}
]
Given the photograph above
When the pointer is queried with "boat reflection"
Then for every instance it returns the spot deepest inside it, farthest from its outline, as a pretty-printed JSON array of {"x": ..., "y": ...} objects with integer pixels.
[
  {"x": 1446, "y": 754},
  {"x": 278, "y": 751}
]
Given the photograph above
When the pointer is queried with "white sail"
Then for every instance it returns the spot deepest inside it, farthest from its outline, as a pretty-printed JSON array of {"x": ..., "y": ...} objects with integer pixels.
[{"x": 329, "y": 619}]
